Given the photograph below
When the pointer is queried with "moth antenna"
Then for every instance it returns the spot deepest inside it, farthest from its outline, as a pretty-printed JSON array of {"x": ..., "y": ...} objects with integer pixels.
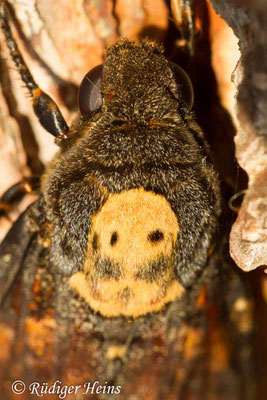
[{"x": 44, "y": 107}]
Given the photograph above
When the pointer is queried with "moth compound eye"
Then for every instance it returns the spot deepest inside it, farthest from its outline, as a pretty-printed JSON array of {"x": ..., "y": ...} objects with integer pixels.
[
  {"x": 90, "y": 98},
  {"x": 184, "y": 90},
  {"x": 155, "y": 236}
]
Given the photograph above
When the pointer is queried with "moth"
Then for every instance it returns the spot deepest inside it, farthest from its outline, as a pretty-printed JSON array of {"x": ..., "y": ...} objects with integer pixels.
[{"x": 116, "y": 281}]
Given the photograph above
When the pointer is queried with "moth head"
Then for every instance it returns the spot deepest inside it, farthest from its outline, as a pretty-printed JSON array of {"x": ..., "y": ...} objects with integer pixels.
[{"x": 135, "y": 76}]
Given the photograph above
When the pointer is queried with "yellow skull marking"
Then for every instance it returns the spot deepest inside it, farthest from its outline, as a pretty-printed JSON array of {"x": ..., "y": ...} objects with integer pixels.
[{"x": 133, "y": 230}]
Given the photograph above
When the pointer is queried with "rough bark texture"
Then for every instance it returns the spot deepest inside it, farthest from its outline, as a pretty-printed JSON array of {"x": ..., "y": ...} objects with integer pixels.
[{"x": 248, "y": 242}]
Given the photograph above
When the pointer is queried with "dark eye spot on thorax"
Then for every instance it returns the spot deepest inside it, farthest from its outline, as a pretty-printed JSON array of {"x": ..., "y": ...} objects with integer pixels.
[
  {"x": 155, "y": 236},
  {"x": 114, "y": 238},
  {"x": 95, "y": 242}
]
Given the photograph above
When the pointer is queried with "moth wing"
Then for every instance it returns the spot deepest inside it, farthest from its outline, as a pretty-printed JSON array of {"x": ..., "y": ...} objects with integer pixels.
[{"x": 13, "y": 250}]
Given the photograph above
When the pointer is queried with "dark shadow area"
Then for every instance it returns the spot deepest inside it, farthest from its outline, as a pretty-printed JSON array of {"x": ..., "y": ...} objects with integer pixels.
[
  {"x": 152, "y": 32},
  {"x": 258, "y": 283}
]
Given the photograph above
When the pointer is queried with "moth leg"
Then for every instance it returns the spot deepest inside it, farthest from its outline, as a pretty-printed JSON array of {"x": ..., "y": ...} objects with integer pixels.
[
  {"x": 13, "y": 250},
  {"x": 184, "y": 18},
  {"x": 17, "y": 192},
  {"x": 44, "y": 107}
]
